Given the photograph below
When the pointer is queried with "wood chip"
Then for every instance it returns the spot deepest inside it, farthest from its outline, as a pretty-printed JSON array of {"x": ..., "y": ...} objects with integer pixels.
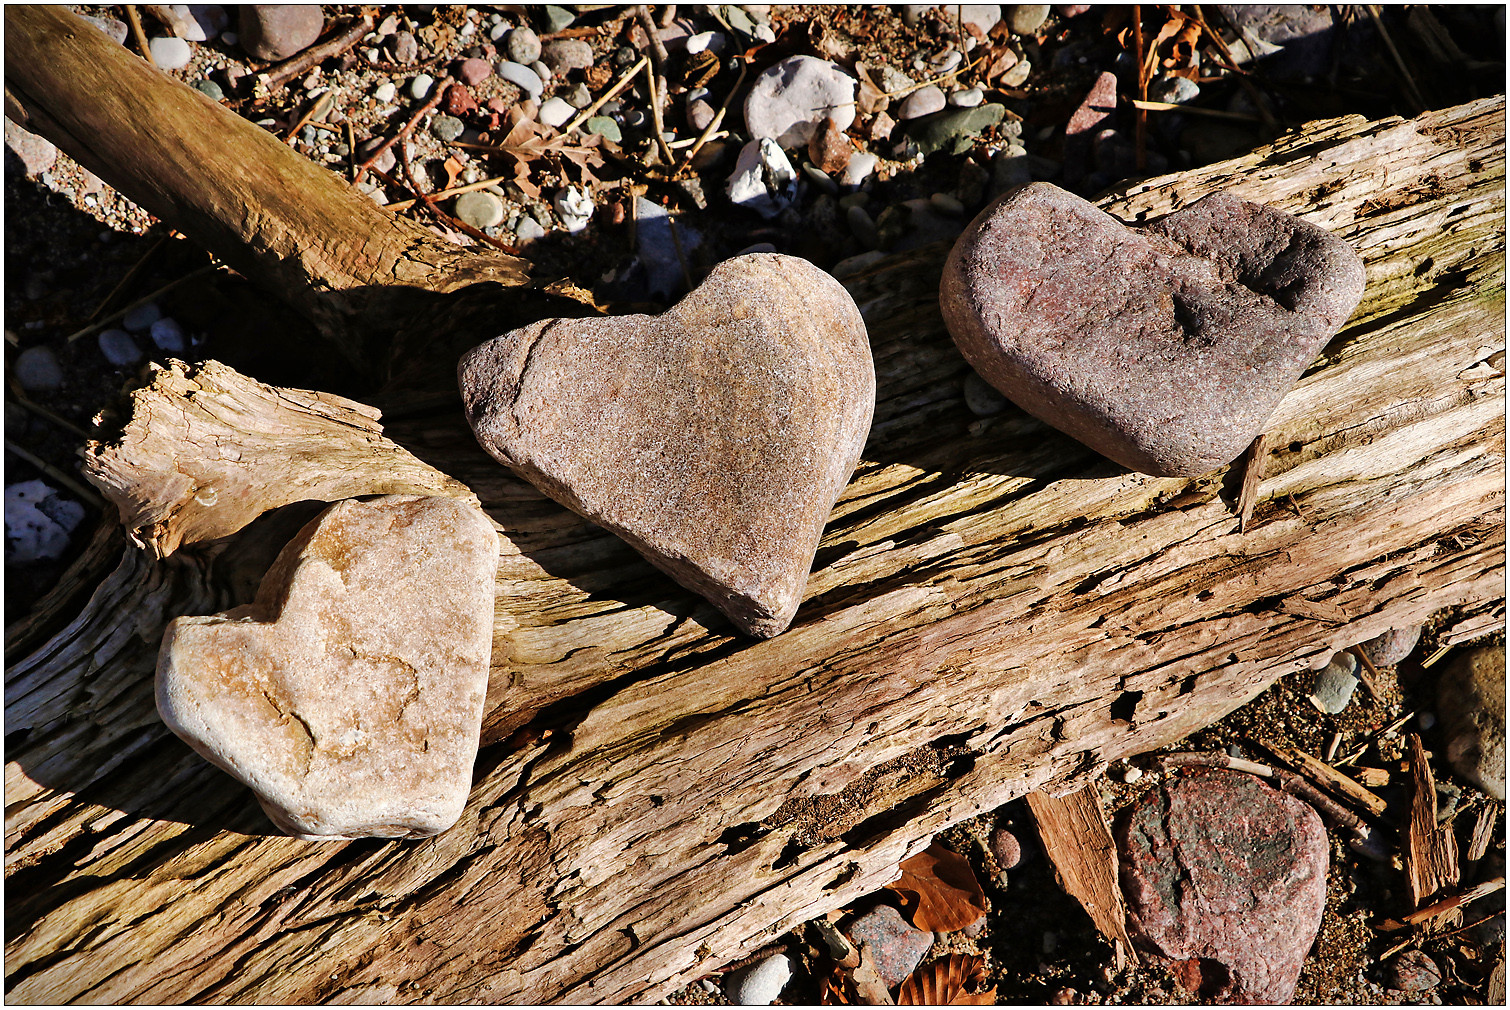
[
  {"x": 1253, "y": 474},
  {"x": 1448, "y": 905},
  {"x": 1326, "y": 776},
  {"x": 1483, "y": 832},
  {"x": 1372, "y": 777},
  {"x": 1079, "y": 843},
  {"x": 1431, "y": 854}
]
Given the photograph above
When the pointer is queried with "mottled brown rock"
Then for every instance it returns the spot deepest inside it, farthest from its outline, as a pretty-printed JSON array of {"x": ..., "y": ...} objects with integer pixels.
[
  {"x": 349, "y": 695},
  {"x": 1471, "y": 704},
  {"x": 1165, "y": 348},
  {"x": 714, "y": 438},
  {"x": 1225, "y": 880}
]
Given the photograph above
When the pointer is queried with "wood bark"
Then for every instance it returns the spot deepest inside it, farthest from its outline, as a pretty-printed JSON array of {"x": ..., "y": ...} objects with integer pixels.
[
  {"x": 1079, "y": 843},
  {"x": 993, "y": 610}
]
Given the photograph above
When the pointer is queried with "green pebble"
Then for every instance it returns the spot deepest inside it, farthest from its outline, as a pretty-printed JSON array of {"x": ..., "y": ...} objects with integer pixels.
[
  {"x": 205, "y": 86},
  {"x": 605, "y": 127},
  {"x": 953, "y": 127},
  {"x": 558, "y": 19}
]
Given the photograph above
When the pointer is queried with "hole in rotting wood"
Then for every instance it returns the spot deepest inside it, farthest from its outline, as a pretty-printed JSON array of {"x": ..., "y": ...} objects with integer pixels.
[
  {"x": 790, "y": 853},
  {"x": 741, "y": 836},
  {"x": 1123, "y": 708}
]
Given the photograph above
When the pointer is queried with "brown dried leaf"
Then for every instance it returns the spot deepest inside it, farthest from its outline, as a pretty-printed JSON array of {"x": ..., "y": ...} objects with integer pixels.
[
  {"x": 938, "y": 890},
  {"x": 946, "y": 982},
  {"x": 869, "y": 988},
  {"x": 453, "y": 169}
]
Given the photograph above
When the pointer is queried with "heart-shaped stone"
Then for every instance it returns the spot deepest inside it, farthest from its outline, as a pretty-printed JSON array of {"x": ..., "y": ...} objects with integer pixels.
[
  {"x": 714, "y": 438},
  {"x": 349, "y": 695},
  {"x": 1166, "y": 347}
]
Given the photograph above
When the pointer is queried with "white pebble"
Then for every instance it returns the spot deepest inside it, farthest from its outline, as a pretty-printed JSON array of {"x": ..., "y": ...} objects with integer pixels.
[
  {"x": 168, "y": 335},
  {"x": 119, "y": 349},
  {"x": 697, "y": 43},
  {"x": 522, "y": 76},
  {"x": 498, "y": 31},
  {"x": 385, "y": 92},
  {"x": 574, "y": 206},
  {"x": 38, "y": 521},
  {"x": 170, "y": 53},
  {"x": 468, "y": 29},
  {"x": 556, "y": 111},
  {"x": 859, "y": 168},
  {"x": 969, "y": 98},
  {"x": 419, "y": 88},
  {"x": 142, "y": 317},
  {"x": 528, "y": 229}
]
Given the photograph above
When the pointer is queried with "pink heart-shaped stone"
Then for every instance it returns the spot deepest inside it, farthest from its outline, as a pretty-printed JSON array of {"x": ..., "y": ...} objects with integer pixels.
[
  {"x": 714, "y": 438},
  {"x": 1165, "y": 347}
]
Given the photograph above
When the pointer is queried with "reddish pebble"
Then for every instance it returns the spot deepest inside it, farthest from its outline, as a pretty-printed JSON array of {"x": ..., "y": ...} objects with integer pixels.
[
  {"x": 459, "y": 100},
  {"x": 1006, "y": 848},
  {"x": 830, "y": 149},
  {"x": 474, "y": 71}
]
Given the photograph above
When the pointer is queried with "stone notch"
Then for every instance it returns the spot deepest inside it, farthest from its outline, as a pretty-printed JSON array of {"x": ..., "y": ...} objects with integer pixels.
[
  {"x": 714, "y": 438},
  {"x": 349, "y": 694},
  {"x": 1165, "y": 348}
]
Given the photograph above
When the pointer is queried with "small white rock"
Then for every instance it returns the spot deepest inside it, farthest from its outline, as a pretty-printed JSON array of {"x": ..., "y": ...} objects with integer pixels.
[
  {"x": 859, "y": 168},
  {"x": 419, "y": 87},
  {"x": 967, "y": 98},
  {"x": 528, "y": 229},
  {"x": 38, "y": 521},
  {"x": 574, "y": 206},
  {"x": 385, "y": 92},
  {"x": 760, "y": 983},
  {"x": 697, "y": 43},
  {"x": 522, "y": 76},
  {"x": 763, "y": 180},
  {"x": 170, "y": 53},
  {"x": 556, "y": 111}
]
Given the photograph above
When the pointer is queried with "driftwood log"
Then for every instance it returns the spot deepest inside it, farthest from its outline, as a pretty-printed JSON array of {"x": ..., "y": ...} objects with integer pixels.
[{"x": 994, "y": 610}]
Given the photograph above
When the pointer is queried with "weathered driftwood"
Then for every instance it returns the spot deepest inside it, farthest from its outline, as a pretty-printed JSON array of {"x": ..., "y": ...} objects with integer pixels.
[{"x": 993, "y": 610}]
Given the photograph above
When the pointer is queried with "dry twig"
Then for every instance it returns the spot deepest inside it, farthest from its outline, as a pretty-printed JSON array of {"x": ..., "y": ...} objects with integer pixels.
[
  {"x": 276, "y": 76},
  {"x": 138, "y": 34},
  {"x": 423, "y": 111}
]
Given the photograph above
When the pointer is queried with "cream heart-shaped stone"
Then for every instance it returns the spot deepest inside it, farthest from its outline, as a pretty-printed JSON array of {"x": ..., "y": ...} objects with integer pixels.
[
  {"x": 1164, "y": 347},
  {"x": 714, "y": 438},
  {"x": 349, "y": 695}
]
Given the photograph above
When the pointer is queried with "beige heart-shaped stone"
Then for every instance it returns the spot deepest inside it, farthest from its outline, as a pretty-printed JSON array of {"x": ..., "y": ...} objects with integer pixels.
[
  {"x": 349, "y": 695},
  {"x": 714, "y": 438}
]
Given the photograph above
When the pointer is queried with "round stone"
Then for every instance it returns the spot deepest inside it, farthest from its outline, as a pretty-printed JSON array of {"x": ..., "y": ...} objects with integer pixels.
[
  {"x": 170, "y": 53},
  {"x": 556, "y": 111},
  {"x": 119, "y": 349},
  {"x": 982, "y": 399},
  {"x": 205, "y": 86},
  {"x": 922, "y": 102},
  {"x": 523, "y": 46},
  {"x": 38, "y": 371},
  {"x": 967, "y": 98},
  {"x": 419, "y": 88},
  {"x": 480, "y": 210},
  {"x": 169, "y": 336},
  {"x": 474, "y": 71},
  {"x": 142, "y": 317},
  {"x": 446, "y": 128}
]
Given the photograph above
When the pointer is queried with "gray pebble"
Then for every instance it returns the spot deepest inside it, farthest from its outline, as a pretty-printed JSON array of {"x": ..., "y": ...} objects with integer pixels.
[
  {"x": 142, "y": 317},
  {"x": 946, "y": 204},
  {"x": 498, "y": 30},
  {"x": 208, "y": 87},
  {"x": 1025, "y": 19},
  {"x": 170, "y": 53},
  {"x": 605, "y": 127},
  {"x": 528, "y": 229},
  {"x": 922, "y": 102},
  {"x": 419, "y": 88},
  {"x": 405, "y": 48},
  {"x": 112, "y": 27},
  {"x": 119, "y": 349},
  {"x": 579, "y": 97},
  {"x": 37, "y": 370},
  {"x": 555, "y": 112},
  {"x": 1176, "y": 90},
  {"x": 984, "y": 400},
  {"x": 821, "y": 179},
  {"x": 565, "y": 55},
  {"x": 523, "y": 46},
  {"x": 557, "y": 19},
  {"x": 169, "y": 336},
  {"x": 386, "y": 162},
  {"x": 446, "y": 128},
  {"x": 968, "y": 98},
  {"x": 1392, "y": 646},
  {"x": 1336, "y": 683},
  {"x": 521, "y": 76},
  {"x": 700, "y": 114},
  {"x": 480, "y": 210},
  {"x": 862, "y": 227}
]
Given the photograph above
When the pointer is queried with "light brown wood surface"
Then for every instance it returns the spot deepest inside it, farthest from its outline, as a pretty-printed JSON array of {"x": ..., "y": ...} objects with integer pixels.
[{"x": 993, "y": 610}]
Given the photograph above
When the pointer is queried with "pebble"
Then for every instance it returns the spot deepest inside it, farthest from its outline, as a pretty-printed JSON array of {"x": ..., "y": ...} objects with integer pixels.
[
  {"x": 385, "y": 92},
  {"x": 981, "y": 399},
  {"x": 557, "y": 19},
  {"x": 480, "y": 210},
  {"x": 1471, "y": 705},
  {"x": 606, "y": 127},
  {"x": 1102, "y": 270},
  {"x": 1009, "y": 168},
  {"x": 763, "y": 179},
  {"x": 168, "y": 336},
  {"x": 855, "y": 264},
  {"x": 420, "y": 87},
  {"x": 1095, "y": 113},
  {"x": 719, "y": 458},
  {"x": 498, "y": 31},
  {"x": 36, "y": 154},
  {"x": 566, "y": 55},
  {"x": 386, "y": 162},
  {"x": 1336, "y": 683},
  {"x": 1018, "y": 75},
  {"x": 1392, "y": 647},
  {"x": 119, "y": 349},
  {"x": 528, "y": 230},
  {"x": 861, "y": 164},
  {"x": 1176, "y": 90},
  {"x": 350, "y": 695},
  {"x": 521, "y": 76},
  {"x": 141, "y": 317},
  {"x": 38, "y": 371},
  {"x": 950, "y": 130},
  {"x": 790, "y": 100},
  {"x": 896, "y": 945},
  {"x": 405, "y": 47},
  {"x": 542, "y": 71},
  {"x": 1025, "y": 19},
  {"x": 922, "y": 102},
  {"x": 278, "y": 31},
  {"x": 1225, "y": 880},
  {"x": 758, "y": 984},
  {"x": 862, "y": 227},
  {"x": 579, "y": 97},
  {"x": 829, "y": 149},
  {"x": 574, "y": 207},
  {"x": 700, "y": 114},
  {"x": 474, "y": 71},
  {"x": 112, "y": 27},
  {"x": 821, "y": 179},
  {"x": 556, "y": 112},
  {"x": 39, "y": 522},
  {"x": 967, "y": 98},
  {"x": 946, "y": 204},
  {"x": 446, "y": 128},
  {"x": 1413, "y": 971},
  {"x": 170, "y": 53},
  {"x": 1005, "y": 845},
  {"x": 523, "y": 46},
  {"x": 210, "y": 89}
]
